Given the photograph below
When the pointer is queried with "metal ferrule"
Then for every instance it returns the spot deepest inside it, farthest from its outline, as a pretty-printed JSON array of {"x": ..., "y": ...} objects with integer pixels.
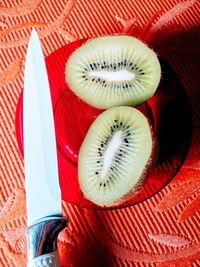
[{"x": 42, "y": 236}]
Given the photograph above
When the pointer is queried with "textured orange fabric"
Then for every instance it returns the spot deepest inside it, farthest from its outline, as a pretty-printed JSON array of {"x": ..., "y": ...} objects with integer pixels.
[{"x": 161, "y": 231}]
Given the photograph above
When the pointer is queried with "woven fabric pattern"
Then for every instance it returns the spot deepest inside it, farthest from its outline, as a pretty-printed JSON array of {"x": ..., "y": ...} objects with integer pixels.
[{"x": 162, "y": 231}]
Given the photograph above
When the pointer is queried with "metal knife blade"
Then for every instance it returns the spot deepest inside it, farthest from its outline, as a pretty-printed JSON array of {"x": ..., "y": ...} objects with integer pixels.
[
  {"x": 43, "y": 194},
  {"x": 41, "y": 168}
]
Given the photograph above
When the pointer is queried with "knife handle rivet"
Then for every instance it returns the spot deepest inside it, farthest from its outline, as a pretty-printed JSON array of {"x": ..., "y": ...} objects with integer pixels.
[{"x": 45, "y": 262}]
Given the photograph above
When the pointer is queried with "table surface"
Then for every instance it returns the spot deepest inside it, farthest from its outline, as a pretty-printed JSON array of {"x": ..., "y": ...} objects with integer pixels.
[{"x": 161, "y": 231}]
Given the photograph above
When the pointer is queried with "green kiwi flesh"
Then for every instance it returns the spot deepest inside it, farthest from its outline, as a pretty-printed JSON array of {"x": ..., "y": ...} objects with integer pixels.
[
  {"x": 113, "y": 70},
  {"x": 114, "y": 156}
]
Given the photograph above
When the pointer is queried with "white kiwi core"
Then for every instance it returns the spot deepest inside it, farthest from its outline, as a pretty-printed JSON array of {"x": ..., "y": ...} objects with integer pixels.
[
  {"x": 113, "y": 76},
  {"x": 110, "y": 152}
]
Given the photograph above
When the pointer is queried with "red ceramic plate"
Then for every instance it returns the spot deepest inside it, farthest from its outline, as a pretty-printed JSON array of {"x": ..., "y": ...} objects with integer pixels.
[{"x": 168, "y": 111}]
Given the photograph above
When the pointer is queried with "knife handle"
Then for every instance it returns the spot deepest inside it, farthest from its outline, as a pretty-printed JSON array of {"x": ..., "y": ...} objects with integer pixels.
[
  {"x": 42, "y": 242},
  {"x": 47, "y": 260}
]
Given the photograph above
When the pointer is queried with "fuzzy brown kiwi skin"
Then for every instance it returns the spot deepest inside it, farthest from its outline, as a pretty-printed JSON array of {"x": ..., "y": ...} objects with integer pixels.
[
  {"x": 147, "y": 170},
  {"x": 116, "y": 34}
]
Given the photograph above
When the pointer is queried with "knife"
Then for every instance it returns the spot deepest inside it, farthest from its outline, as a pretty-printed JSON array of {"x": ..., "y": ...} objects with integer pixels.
[{"x": 43, "y": 194}]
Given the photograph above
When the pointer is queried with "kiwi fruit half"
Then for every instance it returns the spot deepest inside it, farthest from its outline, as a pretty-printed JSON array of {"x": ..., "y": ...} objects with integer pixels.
[
  {"x": 115, "y": 155},
  {"x": 113, "y": 70}
]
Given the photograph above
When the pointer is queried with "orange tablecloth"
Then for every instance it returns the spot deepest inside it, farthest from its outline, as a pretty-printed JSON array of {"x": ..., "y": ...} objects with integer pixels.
[{"x": 162, "y": 231}]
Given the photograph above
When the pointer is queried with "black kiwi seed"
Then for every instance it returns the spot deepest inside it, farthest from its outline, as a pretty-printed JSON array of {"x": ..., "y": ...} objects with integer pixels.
[
  {"x": 100, "y": 184},
  {"x": 83, "y": 76},
  {"x": 98, "y": 161},
  {"x": 115, "y": 120},
  {"x": 96, "y": 173},
  {"x": 125, "y": 140},
  {"x": 93, "y": 79},
  {"x": 99, "y": 149},
  {"x": 131, "y": 64},
  {"x": 104, "y": 184}
]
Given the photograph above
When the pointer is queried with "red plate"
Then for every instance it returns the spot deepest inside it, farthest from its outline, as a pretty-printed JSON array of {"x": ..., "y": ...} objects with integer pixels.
[{"x": 168, "y": 111}]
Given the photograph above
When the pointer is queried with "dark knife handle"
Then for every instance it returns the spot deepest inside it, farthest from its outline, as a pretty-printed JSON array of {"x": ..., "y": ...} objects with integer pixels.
[{"x": 42, "y": 242}]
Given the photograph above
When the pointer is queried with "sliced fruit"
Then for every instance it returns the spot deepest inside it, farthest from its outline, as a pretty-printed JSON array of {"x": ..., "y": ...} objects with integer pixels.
[
  {"x": 113, "y": 70},
  {"x": 114, "y": 156}
]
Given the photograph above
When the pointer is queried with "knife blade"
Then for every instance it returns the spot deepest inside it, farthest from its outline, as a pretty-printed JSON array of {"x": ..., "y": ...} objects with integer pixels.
[{"x": 43, "y": 194}]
